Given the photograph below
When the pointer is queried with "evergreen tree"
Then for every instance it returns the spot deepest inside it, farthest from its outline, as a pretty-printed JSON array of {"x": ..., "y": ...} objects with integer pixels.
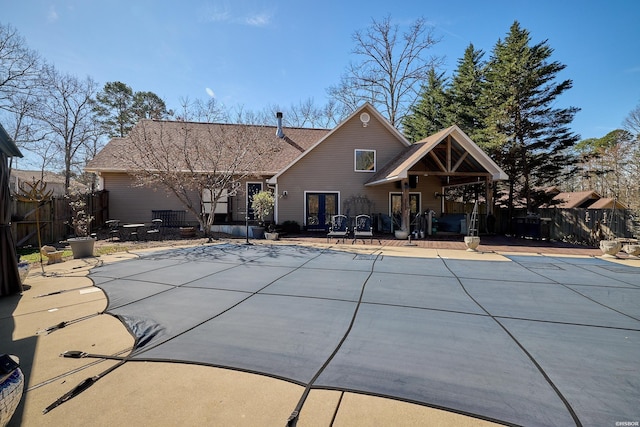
[
  {"x": 528, "y": 137},
  {"x": 464, "y": 93},
  {"x": 429, "y": 114},
  {"x": 114, "y": 108},
  {"x": 119, "y": 108},
  {"x": 148, "y": 105}
]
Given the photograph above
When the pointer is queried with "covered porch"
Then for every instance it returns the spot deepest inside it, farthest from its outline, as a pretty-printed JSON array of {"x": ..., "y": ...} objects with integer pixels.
[{"x": 451, "y": 160}]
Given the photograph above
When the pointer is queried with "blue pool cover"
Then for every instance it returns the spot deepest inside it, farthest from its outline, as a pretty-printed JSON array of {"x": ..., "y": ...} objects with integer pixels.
[{"x": 535, "y": 340}]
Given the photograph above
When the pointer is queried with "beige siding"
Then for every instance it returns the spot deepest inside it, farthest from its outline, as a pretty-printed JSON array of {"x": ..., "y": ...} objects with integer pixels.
[
  {"x": 329, "y": 167},
  {"x": 131, "y": 204}
]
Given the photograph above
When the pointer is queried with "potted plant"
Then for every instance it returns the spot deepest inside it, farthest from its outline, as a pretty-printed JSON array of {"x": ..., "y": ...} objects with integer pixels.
[
  {"x": 610, "y": 247},
  {"x": 271, "y": 233},
  {"x": 632, "y": 248},
  {"x": 398, "y": 231},
  {"x": 472, "y": 242},
  {"x": 262, "y": 206},
  {"x": 82, "y": 244}
]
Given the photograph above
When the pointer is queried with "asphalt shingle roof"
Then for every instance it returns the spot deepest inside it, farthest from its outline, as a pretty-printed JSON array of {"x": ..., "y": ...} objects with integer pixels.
[{"x": 119, "y": 156}]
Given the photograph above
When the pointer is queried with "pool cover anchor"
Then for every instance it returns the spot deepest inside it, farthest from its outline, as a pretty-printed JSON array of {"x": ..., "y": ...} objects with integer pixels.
[
  {"x": 50, "y": 329},
  {"x": 85, "y": 384}
]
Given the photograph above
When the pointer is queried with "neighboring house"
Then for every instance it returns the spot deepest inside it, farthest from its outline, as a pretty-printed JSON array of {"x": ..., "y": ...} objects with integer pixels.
[
  {"x": 363, "y": 165},
  {"x": 583, "y": 200},
  {"x": 55, "y": 182}
]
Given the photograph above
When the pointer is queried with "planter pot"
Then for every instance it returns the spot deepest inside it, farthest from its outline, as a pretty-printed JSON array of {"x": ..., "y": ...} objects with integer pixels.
[
  {"x": 632, "y": 249},
  {"x": 187, "y": 232},
  {"x": 610, "y": 247},
  {"x": 23, "y": 269},
  {"x": 257, "y": 232},
  {"x": 472, "y": 242},
  {"x": 401, "y": 234},
  {"x": 82, "y": 247},
  {"x": 271, "y": 236}
]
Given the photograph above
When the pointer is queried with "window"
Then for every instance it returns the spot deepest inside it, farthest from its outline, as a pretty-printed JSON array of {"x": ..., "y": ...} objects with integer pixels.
[
  {"x": 253, "y": 188},
  {"x": 365, "y": 160}
]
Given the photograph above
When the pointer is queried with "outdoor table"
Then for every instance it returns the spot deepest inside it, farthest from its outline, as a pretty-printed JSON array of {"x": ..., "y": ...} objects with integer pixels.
[{"x": 133, "y": 230}]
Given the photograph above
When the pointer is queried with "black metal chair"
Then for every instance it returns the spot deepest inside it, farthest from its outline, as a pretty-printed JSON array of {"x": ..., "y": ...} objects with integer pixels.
[
  {"x": 338, "y": 228},
  {"x": 114, "y": 228},
  {"x": 155, "y": 228},
  {"x": 363, "y": 229}
]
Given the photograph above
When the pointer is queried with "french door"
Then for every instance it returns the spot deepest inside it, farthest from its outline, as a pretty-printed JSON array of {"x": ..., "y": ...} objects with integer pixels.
[{"x": 319, "y": 208}]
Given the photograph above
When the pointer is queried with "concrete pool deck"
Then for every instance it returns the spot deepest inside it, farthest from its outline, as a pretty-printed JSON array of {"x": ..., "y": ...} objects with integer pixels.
[{"x": 141, "y": 392}]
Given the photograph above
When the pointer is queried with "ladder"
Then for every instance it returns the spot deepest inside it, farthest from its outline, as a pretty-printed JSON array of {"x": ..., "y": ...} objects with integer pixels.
[{"x": 473, "y": 223}]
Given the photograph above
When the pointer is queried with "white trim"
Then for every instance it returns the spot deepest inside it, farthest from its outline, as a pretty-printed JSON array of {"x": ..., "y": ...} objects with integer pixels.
[{"x": 355, "y": 160}]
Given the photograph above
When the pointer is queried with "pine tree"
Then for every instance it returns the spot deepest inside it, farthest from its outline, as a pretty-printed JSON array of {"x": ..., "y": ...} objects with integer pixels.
[
  {"x": 528, "y": 136},
  {"x": 464, "y": 93},
  {"x": 428, "y": 115},
  {"x": 113, "y": 107}
]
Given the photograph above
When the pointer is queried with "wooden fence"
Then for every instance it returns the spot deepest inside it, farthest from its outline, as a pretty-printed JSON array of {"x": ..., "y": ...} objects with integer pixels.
[
  {"x": 584, "y": 226},
  {"x": 53, "y": 217}
]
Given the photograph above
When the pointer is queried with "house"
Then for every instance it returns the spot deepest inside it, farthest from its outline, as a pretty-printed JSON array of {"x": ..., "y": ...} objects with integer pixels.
[
  {"x": 363, "y": 165},
  {"x": 583, "y": 199},
  {"x": 55, "y": 182}
]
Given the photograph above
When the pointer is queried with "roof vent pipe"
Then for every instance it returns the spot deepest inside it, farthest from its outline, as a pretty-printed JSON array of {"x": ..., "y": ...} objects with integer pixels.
[{"x": 279, "y": 131}]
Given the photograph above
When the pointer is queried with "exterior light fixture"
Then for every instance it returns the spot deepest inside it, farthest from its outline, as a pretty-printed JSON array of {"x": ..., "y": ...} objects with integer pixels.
[{"x": 365, "y": 118}]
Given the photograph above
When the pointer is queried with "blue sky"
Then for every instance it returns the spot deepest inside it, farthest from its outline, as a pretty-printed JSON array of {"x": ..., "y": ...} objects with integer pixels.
[{"x": 260, "y": 53}]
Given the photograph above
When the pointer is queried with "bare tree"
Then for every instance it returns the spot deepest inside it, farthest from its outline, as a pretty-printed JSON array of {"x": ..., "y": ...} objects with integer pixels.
[
  {"x": 198, "y": 163},
  {"x": 632, "y": 122},
  {"x": 68, "y": 111},
  {"x": 200, "y": 111},
  {"x": 391, "y": 68},
  {"x": 305, "y": 114},
  {"x": 27, "y": 131},
  {"x": 19, "y": 87},
  {"x": 19, "y": 65}
]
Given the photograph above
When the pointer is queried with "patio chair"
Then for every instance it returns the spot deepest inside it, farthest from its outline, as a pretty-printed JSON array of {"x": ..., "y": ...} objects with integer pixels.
[
  {"x": 338, "y": 228},
  {"x": 114, "y": 228},
  {"x": 155, "y": 228},
  {"x": 363, "y": 229}
]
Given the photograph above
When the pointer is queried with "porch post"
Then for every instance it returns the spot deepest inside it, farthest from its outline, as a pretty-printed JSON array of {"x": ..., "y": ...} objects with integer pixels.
[
  {"x": 489, "y": 195},
  {"x": 406, "y": 209},
  {"x": 491, "y": 219}
]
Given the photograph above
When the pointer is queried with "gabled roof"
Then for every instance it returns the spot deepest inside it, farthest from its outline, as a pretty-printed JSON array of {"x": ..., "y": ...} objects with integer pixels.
[
  {"x": 467, "y": 157},
  {"x": 575, "y": 199},
  {"x": 7, "y": 146},
  {"x": 607, "y": 203},
  {"x": 296, "y": 140},
  {"x": 366, "y": 107}
]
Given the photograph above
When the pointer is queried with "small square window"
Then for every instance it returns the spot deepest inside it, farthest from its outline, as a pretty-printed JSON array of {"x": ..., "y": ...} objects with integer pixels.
[{"x": 365, "y": 160}]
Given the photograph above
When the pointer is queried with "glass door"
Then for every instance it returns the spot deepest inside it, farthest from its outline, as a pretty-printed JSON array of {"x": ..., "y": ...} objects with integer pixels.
[
  {"x": 253, "y": 188},
  {"x": 320, "y": 207},
  {"x": 395, "y": 208}
]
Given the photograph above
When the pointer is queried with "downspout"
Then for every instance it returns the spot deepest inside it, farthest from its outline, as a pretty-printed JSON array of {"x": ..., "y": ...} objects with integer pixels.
[{"x": 279, "y": 134}]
